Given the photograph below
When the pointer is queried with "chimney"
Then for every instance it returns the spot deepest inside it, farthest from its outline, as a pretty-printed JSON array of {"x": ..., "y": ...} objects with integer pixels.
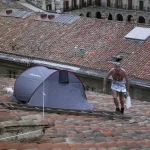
[
  {"x": 43, "y": 16},
  {"x": 8, "y": 12},
  {"x": 63, "y": 76},
  {"x": 51, "y": 16}
]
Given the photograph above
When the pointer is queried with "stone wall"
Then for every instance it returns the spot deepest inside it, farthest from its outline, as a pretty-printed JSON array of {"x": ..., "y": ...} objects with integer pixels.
[
  {"x": 123, "y": 8},
  {"x": 91, "y": 83},
  {"x": 114, "y": 12},
  {"x": 96, "y": 84},
  {"x": 10, "y": 69},
  {"x": 25, "y": 128}
]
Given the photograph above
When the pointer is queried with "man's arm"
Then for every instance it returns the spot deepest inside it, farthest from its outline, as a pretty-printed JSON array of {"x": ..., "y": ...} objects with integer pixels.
[
  {"x": 127, "y": 83},
  {"x": 105, "y": 80}
]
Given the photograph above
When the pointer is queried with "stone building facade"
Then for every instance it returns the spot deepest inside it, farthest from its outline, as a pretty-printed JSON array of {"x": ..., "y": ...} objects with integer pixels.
[{"x": 137, "y": 11}]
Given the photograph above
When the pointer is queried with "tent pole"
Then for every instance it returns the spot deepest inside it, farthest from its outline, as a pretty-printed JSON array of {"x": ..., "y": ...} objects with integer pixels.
[{"x": 43, "y": 100}]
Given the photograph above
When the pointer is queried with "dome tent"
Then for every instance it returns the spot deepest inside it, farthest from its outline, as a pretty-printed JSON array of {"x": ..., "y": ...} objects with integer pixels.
[{"x": 61, "y": 89}]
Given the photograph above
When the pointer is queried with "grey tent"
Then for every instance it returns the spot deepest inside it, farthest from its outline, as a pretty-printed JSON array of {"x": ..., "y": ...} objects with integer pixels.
[{"x": 57, "y": 89}]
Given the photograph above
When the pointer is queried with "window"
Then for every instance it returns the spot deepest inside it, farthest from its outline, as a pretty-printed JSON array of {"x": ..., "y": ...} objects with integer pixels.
[
  {"x": 87, "y": 88},
  {"x": 74, "y": 3},
  {"x": 138, "y": 33},
  {"x": 93, "y": 89},
  {"x": 49, "y": 7},
  {"x": 12, "y": 74},
  {"x": 118, "y": 3},
  {"x": 9, "y": 74},
  {"x": 89, "y": 2},
  {"x": 141, "y": 5},
  {"x": 98, "y": 2},
  {"x": 108, "y": 3},
  {"x": 129, "y": 4},
  {"x": 66, "y": 5}
]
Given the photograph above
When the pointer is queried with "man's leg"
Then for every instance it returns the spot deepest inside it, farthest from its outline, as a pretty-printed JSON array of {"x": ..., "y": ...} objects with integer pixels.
[
  {"x": 114, "y": 94},
  {"x": 121, "y": 97}
]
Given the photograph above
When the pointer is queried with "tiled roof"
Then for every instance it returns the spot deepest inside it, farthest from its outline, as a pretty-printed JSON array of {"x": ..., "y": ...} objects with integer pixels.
[
  {"x": 19, "y": 13},
  {"x": 61, "y": 18},
  {"x": 11, "y": 4},
  {"x": 66, "y": 18},
  {"x": 76, "y": 132},
  {"x": 61, "y": 42}
]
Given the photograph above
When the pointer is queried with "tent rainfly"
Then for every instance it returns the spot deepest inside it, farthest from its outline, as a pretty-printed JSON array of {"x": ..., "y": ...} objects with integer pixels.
[{"x": 61, "y": 89}]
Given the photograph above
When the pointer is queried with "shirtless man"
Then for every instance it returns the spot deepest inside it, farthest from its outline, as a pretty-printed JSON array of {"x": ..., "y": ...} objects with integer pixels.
[{"x": 120, "y": 85}]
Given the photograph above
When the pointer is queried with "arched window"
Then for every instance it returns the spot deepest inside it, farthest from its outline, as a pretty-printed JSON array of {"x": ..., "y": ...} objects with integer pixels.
[
  {"x": 89, "y": 14},
  {"x": 109, "y": 16},
  {"x": 129, "y": 18},
  {"x": 141, "y": 19},
  {"x": 81, "y": 14},
  {"x": 98, "y": 15},
  {"x": 119, "y": 17}
]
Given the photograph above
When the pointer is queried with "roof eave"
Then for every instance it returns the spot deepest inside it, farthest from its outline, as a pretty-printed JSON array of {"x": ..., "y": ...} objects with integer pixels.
[{"x": 59, "y": 66}]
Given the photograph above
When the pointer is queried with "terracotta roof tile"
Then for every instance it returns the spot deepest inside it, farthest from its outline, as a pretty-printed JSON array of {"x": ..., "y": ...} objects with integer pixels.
[
  {"x": 60, "y": 42},
  {"x": 12, "y": 4},
  {"x": 62, "y": 131}
]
